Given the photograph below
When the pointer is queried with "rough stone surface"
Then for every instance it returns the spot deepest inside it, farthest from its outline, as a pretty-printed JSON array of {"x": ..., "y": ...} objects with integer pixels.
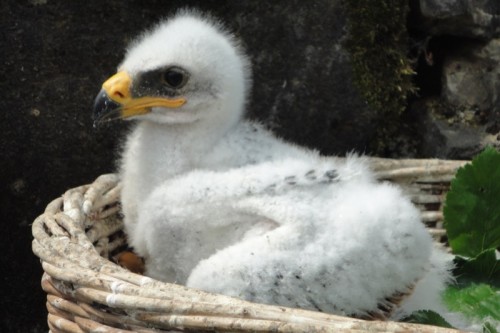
[
  {"x": 458, "y": 73},
  {"x": 471, "y": 76},
  {"x": 469, "y": 18},
  {"x": 449, "y": 133},
  {"x": 443, "y": 9}
]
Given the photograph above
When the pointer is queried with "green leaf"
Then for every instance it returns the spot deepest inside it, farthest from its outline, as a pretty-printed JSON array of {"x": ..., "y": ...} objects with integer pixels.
[
  {"x": 475, "y": 301},
  {"x": 472, "y": 206},
  {"x": 427, "y": 317},
  {"x": 484, "y": 268}
]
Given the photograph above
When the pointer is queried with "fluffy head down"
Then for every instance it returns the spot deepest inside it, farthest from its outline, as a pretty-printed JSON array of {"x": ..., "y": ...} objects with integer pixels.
[
  {"x": 242, "y": 213},
  {"x": 217, "y": 72}
]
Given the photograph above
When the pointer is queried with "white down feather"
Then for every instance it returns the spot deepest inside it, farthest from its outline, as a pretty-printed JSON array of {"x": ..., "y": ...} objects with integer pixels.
[{"x": 218, "y": 203}]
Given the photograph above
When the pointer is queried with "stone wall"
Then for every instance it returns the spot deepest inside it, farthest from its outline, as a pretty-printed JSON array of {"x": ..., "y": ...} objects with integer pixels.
[
  {"x": 458, "y": 47},
  {"x": 55, "y": 55}
]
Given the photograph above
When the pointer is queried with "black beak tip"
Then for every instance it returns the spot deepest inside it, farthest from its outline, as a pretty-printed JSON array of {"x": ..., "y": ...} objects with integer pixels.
[{"x": 105, "y": 108}]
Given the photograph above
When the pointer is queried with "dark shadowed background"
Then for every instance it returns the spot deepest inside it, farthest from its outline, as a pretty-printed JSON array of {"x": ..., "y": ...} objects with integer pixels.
[{"x": 55, "y": 55}]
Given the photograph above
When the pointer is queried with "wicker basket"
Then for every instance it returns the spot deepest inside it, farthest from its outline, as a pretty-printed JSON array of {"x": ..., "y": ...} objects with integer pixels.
[{"x": 78, "y": 236}]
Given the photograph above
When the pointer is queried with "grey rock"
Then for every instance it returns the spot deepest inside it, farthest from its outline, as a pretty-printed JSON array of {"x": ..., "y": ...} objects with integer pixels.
[
  {"x": 465, "y": 116},
  {"x": 443, "y": 9},
  {"x": 455, "y": 141},
  {"x": 469, "y": 18},
  {"x": 448, "y": 132},
  {"x": 471, "y": 77},
  {"x": 303, "y": 86},
  {"x": 465, "y": 84}
]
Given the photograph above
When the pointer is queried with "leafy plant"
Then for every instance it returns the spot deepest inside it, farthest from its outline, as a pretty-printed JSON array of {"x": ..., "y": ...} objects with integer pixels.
[
  {"x": 472, "y": 210},
  {"x": 475, "y": 301},
  {"x": 427, "y": 317},
  {"x": 472, "y": 222}
]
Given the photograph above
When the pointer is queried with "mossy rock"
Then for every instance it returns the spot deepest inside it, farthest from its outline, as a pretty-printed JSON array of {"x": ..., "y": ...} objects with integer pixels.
[{"x": 378, "y": 44}]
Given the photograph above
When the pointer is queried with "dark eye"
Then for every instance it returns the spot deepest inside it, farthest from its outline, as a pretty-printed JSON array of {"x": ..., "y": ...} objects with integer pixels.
[{"x": 174, "y": 77}]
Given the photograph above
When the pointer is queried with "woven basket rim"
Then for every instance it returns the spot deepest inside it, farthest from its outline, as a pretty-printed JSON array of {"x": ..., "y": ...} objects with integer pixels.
[{"x": 87, "y": 291}]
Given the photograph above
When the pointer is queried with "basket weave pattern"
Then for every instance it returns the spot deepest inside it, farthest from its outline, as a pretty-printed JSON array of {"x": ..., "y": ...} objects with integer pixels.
[{"x": 80, "y": 233}]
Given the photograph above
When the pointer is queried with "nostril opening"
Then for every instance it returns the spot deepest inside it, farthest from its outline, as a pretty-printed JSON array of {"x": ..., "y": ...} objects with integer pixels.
[{"x": 119, "y": 94}]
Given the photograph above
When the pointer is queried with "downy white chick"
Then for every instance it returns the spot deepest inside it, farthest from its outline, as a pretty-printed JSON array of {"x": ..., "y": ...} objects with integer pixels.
[{"x": 218, "y": 203}]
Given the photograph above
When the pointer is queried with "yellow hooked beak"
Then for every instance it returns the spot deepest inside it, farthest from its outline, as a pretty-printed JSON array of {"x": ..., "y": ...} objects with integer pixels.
[{"x": 115, "y": 101}]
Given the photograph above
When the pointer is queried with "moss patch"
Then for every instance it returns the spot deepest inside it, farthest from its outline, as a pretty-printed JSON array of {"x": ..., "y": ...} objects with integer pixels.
[{"x": 378, "y": 44}]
